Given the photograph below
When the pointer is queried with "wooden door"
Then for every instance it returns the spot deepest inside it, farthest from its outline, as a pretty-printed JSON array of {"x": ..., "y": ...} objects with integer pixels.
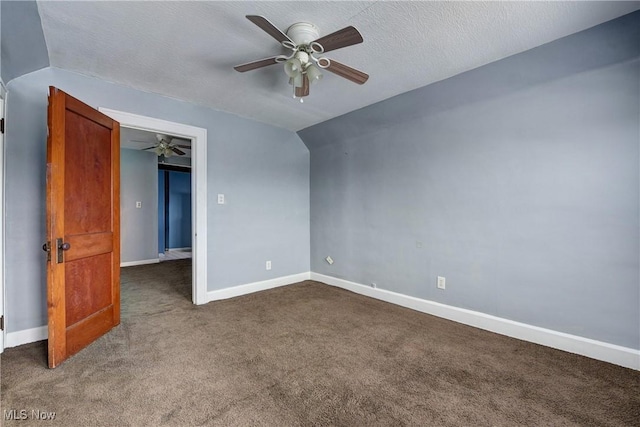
[{"x": 83, "y": 225}]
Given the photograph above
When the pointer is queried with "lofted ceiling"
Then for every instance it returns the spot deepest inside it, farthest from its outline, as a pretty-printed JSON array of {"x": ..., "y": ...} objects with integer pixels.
[{"x": 187, "y": 50}]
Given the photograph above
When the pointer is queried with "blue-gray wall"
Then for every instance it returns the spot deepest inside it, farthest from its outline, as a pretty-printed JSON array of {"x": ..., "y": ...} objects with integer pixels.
[
  {"x": 517, "y": 181},
  {"x": 23, "y": 48},
  {"x": 179, "y": 210},
  {"x": 138, "y": 183},
  {"x": 0, "y": 41},
  {"x": 263, "y": 170},
  {"x": 161, "y": 217}
]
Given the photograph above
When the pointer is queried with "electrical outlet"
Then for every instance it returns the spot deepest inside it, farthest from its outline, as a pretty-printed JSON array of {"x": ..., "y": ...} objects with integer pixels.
[
  {"x": 138, "y": 205},
  {"x": 441, "y": 282},
  {"x": 221, "y": 199},
  {"x": 268, "y": 265},
  {"x": 329, "y": 260}
]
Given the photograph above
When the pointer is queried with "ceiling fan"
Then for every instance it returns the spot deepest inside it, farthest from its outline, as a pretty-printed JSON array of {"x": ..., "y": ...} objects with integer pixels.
[
  {"x": 304, "y": 64},
  {"x": 166, "y": 147}
]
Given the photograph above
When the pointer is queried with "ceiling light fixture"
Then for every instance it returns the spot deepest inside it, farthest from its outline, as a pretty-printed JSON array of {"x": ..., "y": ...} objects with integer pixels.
[
  {"x": 163, "y": 149},
  {"x": 167, "y": 146},
  {"x": 305, "y": 64}
]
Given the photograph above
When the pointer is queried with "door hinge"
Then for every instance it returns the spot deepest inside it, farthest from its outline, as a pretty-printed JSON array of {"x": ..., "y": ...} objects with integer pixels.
[
  {"x": 2, "y": 125},
  {"x": 1, "y": 323}
]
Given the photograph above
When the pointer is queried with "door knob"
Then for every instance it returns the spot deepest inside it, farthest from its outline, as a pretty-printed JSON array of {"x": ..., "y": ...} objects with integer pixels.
[
  {"x": 62, "y": 246},
  {"x": 47, "y": 248}
]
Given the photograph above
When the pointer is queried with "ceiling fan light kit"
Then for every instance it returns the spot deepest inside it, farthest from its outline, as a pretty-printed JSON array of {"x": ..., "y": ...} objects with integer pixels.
[
  {"x": 162, "y": 150},
  {"x": 166, "y": 146},
  {"x": 313, "y": 73},
  {"x": 303, "y": 66}
]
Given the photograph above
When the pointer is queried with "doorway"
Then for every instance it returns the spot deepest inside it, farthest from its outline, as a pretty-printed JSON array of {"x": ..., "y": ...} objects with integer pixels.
[
  {"x": 174, "y": 212},
  {"x": 198, "y": 138}
]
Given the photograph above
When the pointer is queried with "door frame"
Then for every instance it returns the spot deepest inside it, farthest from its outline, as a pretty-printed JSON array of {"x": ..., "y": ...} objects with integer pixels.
[
  {"x": 198, "y": 138},
  {"x": 3, "y": 114}
]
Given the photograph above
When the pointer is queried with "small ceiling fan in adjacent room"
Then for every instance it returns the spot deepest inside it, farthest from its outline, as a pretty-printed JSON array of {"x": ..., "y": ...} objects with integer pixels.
[
  {"x": 166, "y": 146},
  {"x": 305, "y": 64}
]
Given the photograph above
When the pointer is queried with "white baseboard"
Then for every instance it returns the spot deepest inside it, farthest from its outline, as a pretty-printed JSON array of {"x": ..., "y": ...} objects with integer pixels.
[
  {"x": 141, "y": 262},
  {"x": 178, "y": 249},
  {"x": 599, "y": 350},
  {"x": 26, "y": 336},
  {"x": 249, "y": 288}
]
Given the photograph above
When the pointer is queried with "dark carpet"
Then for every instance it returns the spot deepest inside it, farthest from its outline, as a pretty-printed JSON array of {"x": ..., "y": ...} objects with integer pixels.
[{"x": 305, "y": 354}]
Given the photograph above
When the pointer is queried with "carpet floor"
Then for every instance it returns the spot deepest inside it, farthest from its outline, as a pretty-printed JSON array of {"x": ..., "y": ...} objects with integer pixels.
[{"x": 301, "y": 355}]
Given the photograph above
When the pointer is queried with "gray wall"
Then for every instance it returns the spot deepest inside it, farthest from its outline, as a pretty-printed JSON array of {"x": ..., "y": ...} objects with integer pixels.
[
  {"x": 138, "y": 226},
  {"x": 263, "y": 171},
  {"x": 21, "y": 39},
  {"x": 519, "y": 180}
]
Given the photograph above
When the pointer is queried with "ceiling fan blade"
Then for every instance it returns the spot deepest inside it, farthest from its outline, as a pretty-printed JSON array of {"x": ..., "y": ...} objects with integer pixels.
[
  {"x": 188, "y": 147},
  {"x": 148, "y": 148},
  {"x": 342, "y": 38},
  {"x": 347, "y": 72},
  {"x": 178, "y": 151},
  {"x": 178, "y": 138},
  {"x": 269, "y": 28},
  {"x": 255, "y": 64},
  {"x": 304, "y": 90}
]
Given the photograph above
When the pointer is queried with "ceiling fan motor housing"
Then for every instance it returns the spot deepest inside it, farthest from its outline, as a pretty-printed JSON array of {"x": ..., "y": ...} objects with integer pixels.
[{"x": 303, "y": 33}]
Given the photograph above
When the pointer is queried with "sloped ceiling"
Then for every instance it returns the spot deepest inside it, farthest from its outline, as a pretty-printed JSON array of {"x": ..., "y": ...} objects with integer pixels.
[
  {"x": 21, "y": 38},
  {"x": 187, "y": 50}
]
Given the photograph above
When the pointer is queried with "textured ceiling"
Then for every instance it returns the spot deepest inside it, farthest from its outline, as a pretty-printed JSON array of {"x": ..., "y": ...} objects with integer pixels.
[{"x": 187, "y": 50}]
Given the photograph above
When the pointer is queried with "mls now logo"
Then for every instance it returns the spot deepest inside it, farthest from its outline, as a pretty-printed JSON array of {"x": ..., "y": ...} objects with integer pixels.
[
  {"x": 14, "y": 414},
  {"x": 23, "y": 414}
]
